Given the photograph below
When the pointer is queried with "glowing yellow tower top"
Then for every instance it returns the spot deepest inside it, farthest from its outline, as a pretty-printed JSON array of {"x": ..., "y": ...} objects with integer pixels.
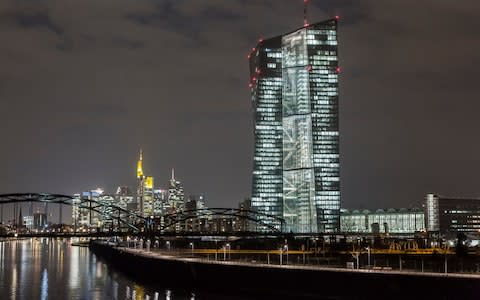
[{"x": 140, "y": 167}]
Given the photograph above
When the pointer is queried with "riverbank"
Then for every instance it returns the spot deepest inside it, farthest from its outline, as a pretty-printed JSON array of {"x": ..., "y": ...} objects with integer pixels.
[{"x": 306, "y": 281}]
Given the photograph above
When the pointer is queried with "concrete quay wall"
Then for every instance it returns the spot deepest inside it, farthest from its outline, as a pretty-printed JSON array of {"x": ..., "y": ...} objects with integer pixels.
[{"x": 285, "y": 281}]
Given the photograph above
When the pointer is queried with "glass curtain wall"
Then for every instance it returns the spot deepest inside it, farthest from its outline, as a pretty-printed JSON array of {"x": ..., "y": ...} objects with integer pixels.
[{"x": 294, "y": 85}]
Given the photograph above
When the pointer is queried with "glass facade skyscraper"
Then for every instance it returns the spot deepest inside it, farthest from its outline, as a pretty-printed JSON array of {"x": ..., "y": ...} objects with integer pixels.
[{"x": 294, "y": 86}]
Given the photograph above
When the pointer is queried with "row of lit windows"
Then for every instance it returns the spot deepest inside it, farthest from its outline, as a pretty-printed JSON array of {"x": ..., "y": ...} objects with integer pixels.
[{"x": 321, "y": 31}]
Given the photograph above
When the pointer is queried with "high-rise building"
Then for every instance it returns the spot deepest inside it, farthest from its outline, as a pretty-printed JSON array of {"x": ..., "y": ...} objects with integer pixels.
[
  {"x": 82, "y": 216},
  {"x": 145, "y": 198},
  {"x": 176, "y": 196},
  {"x": 140, "y": 184},
  {"x": 39, "y": 220},
  {"x": 148, "y": 198},
  {"x": 294, "y": 87},
  {"x": 160, "y": 202},
  {"x": 124, "y": 198}
]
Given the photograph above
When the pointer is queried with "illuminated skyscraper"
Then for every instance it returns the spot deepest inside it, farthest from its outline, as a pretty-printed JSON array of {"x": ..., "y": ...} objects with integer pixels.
[
  {"x": 294, "y": 86},
  {"x": 140, "y": 183},
  {"x": 176, "y": 196},
  {"x": 148, "y": 199},
  {"x": 145, "y": 198},
  {"x": 125, "y": 199}
]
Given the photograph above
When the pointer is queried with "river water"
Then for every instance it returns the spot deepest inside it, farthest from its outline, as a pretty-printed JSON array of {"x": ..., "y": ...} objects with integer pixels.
[{"x": 41, "y": 268}]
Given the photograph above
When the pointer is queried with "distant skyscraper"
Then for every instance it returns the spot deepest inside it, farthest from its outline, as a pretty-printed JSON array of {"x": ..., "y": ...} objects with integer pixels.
[
  {"x": 176, "y": 196},
  {"x": 84, "y": 217},
  {"x": 294, "y": 86},
  {"x": 39, "y": 220},
  {"x": 124, "y": 198},
  {"x": 140, "y": 184},
  {"x": 145, "y": 199},
  {"x": 160, "y": 202}
]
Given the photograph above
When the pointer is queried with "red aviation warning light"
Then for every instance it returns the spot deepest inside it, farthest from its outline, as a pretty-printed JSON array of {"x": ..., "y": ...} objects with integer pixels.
[
  {"x": 337, "y": 17},
  {"x": 338, "y": 70},
  {"x": 309, "y": 68}
]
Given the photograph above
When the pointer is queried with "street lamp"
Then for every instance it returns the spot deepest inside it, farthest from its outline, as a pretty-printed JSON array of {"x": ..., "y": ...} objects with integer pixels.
[
  {"x": 191, "y": 245},
  {"x": 228, "y": 246},
  {"x": 368, "y": 250},
  {"x": 286, "y": 250},
  {"x": 168, "y": 245},
  {"x": 147, "y": 245},
  {"x": 281, "y": 255}
]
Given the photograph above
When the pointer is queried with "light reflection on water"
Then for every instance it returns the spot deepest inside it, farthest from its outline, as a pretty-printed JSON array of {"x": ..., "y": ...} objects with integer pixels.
[{"x": 54, "y": 269}]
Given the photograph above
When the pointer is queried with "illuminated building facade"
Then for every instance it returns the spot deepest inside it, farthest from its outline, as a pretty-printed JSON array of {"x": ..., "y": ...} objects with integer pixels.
[
  {"x": 125, "y": 199},
  {"x": 402, "y": 221},
  {"x": 294, "y": 87},
  {"x": 176, "y": 195},
  {"x": 82, "y": 217},
  {"x": 148, "y": 198},
  {"x": 39, "y": 220},
  {"x": 145, "y": 197},
  {"x": 160, "y": 203},
  {"x": 140, "y": 184},
  {"x": 451, "y": 215}
]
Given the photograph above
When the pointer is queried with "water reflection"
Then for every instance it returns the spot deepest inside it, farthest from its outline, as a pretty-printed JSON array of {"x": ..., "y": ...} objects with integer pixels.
[
  {"x": 44, "y": 287},
  {"x": 54, "y": 269}
]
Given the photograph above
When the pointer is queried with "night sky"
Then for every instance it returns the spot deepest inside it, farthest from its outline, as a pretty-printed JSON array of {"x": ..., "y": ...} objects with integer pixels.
[{"x": 85, "y": 84}]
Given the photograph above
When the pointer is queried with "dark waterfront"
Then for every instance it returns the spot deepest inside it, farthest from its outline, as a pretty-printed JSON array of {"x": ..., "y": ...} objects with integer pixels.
[{"x": 54, "y": 269}]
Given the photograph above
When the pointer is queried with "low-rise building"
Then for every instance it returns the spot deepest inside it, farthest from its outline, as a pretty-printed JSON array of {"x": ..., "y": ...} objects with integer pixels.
[
  {"x": 401, "y": 221},
  {"x": 451, "y": 215}
]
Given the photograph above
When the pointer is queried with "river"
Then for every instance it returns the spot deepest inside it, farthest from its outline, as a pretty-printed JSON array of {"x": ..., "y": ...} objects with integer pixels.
[{"x": 42, "y": 268}]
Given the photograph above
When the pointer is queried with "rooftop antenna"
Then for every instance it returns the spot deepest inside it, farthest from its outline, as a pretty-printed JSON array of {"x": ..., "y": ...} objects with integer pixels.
[{"x": 305, "y": 7}]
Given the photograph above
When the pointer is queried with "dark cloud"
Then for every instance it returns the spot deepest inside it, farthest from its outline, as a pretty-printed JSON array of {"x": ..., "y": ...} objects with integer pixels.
[
  {"x": 218, "y": 13},
  {"x": 84, "y": 85},
  {"x": 131, "y": 44},
  {"x": 166, "y": 16},
  {"x": 38, "y": 20}
]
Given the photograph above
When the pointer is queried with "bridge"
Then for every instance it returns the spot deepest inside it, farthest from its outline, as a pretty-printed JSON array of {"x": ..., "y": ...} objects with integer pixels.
[{"x": 117, "y": 220}]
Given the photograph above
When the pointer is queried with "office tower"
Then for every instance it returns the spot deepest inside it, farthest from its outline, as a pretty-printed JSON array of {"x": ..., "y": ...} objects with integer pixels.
[
  {"x": 160, "y": 202},
  {"x": 82, "y": 216},
  {"x": 294, "y": 87},
  {"x": 148, "y": 198},
  {"x": 176, "y": 196},
  {"x": 145, "y": 198},
  {"x": 124, "y": 198},
  {"x": 140, "y": 184},
  {"x": 39, "y": 220},
  {"x": 199, "y": 200}
]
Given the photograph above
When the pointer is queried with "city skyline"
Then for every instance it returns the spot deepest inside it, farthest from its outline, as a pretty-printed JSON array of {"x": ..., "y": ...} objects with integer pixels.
[{"x": 73, "y": 119}]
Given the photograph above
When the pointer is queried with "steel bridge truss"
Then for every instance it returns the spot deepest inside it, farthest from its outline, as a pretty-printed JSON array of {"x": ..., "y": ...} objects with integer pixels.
[
  {"x": 174, "y": 221},
  {"x": 127, "y": 220},
  {"x": 110, "y": 213}
]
